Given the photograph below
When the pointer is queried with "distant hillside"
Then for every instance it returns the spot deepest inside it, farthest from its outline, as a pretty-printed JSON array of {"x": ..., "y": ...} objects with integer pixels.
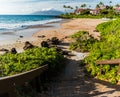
[{"x": 48, "y": 12}]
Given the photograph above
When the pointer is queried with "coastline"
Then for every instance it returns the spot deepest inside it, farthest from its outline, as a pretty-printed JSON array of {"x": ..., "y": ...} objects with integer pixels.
[
  {"x": 9, "y": 33},
  {"x": 60, "y": 29}
]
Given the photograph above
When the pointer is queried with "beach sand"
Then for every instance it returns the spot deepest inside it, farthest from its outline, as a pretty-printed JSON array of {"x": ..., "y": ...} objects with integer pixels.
[{"x": 66, "y": 29}]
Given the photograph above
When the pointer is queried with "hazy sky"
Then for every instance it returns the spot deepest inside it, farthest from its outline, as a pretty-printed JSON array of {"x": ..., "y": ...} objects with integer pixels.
[{"x": 29, "y": 6}]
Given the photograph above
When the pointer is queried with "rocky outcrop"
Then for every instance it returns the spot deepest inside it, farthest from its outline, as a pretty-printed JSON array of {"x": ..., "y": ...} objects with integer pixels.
[
  {"x": 55, "y": 40},
  {"x": 44, "y": 44},
  {"x": 5, "y": 50},
  {"x": 28, "y": 45},
  {"x": 13, "y": 51},
  {"x": 42, "y": 36}
]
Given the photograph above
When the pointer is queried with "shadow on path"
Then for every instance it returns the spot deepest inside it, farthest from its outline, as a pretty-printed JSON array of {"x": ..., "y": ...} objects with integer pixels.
[{"x": 73, "y": 82}]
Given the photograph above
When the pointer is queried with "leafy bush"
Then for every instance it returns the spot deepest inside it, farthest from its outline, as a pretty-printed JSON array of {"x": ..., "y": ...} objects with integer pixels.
[
  {"x": 108, "y": 13},
  {"x": 83, "y": 41},
  {"x": 16, "y": 63},
  {"x": 106, "y": 49},
  {"x": 110, "y": 27},
  {"x": 69, "y": 16}
]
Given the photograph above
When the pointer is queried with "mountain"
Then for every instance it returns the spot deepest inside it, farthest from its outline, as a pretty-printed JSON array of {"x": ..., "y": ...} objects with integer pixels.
[{"x": 48, "y": 12}]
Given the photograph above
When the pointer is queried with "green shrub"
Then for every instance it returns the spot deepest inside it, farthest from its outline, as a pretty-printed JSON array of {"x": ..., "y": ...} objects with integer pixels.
[
  {"x": 106, "y": 49},
  {"x": 83, "y": 41},
  {"x": 33, "y": 58}
]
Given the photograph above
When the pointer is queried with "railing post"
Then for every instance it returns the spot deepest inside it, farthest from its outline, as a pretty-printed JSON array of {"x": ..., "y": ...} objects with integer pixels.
[
  {"x": 100, "y": 68},
  {"x": 4, "y": 95},
  {"x": 12, "y": 93},
  {"x": 37, "y": 84},
  {"x": 33, "y": 83},
  {"x": 118, "y": 69}
]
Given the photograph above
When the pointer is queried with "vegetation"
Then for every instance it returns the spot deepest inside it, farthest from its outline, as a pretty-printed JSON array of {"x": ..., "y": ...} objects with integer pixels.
[
  {"x": 107, "y": 48},
  {"x": 33, "y": 58},
  {"x": 100, "y": 11},
  {"x": 67, "y": 8},
  {"x": 83, "y": 5},
  {"x": 83, "y": 41},
  {"x": 26, "y": 91},
  {"x": 105, "y": 13},
  {"x": 71, "y": 15}
]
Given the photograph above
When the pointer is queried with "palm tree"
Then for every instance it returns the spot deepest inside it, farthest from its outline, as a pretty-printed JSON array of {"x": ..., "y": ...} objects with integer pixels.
[
  {"x": 83, "y": 5},
  {"x": 101, "y": 3},
  {"x": 97, "y": 6},
  {"x": 110, "y": 3},
  {"x": 67, "y": 7},
  {"x": 64, "y": 6},
  {"x": 76, "y": 7},
  {"x": 70, "y": 8},
  {"x": 89, "y": 6},
  {"x": 117, "y": 5}
]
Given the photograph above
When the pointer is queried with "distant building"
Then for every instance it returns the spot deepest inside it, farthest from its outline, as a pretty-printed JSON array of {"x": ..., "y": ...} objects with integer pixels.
[
  {"x": 117, "y": 9},
  {"x": 95, "y": 11},
  {"x": 98, "y": 10},
  {"x": 79, "y": 11},
  {"x": 103, "y": 7}
]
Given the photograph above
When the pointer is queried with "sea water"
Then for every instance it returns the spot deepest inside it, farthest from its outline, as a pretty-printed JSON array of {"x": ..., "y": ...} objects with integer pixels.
[
  {"x": 9, "y": 23},
  {"x": 14, "y": 26}
]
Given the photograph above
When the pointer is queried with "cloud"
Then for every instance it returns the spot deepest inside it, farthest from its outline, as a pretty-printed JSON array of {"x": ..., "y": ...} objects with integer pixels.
[
  {"x": 29, "y": 6},
  {"x": 46, "y": 9}
]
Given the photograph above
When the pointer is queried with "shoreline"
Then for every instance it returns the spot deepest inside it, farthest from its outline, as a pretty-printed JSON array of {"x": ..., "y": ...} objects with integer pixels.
[
  {"x": 9, "y": 37},
  {"x": 31, "y": 29},
  {"x": 60, "y": 29}
]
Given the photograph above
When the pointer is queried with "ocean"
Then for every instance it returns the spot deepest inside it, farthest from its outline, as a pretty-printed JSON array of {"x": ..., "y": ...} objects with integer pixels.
[
  {"x": 10, "y": 23},
  {"x": 14, "y": 26}
]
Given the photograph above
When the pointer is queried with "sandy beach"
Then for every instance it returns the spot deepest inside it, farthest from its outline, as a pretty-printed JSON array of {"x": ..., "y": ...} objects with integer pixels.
[{"x": 66, "y": 29}]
